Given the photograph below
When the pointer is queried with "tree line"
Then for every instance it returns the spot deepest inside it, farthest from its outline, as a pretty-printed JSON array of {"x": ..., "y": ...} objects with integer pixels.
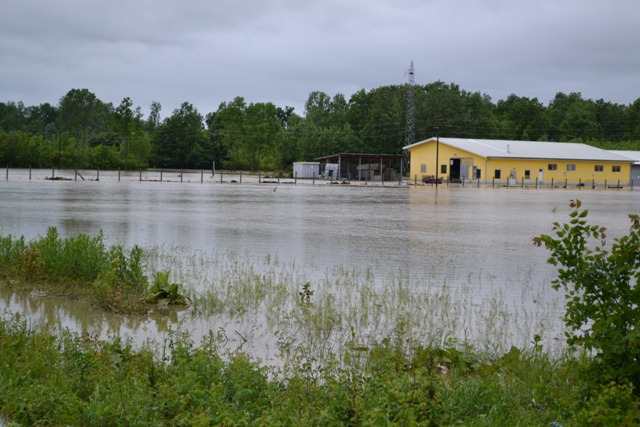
[{"x": 82, "y": 131}]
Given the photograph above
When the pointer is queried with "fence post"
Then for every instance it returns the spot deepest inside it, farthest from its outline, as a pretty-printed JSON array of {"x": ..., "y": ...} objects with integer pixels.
[
  {"x": 523, "y": 182},
  {"x": 493, "y": 184},
  {"x": 552, "y": 183},
  {"x": 313, "y": 180},
  {"x": 605, "y": 184},
  {"x": 536, "y": 182},
  {"x": 240, "y": 177},
  {"x": 580, "y": 184},
  {"x": 295, "y": 179},
  {"x": 7, "y": 175},
  {"x": 259, "y": 177},
  {"x": 181, "y": 173},
  {"x": 29, "y": 172},
  {"x": 98, "y": 174},
  {"x": 221, "y": 173},
  {"x": 140, "y": 174},
  {"x": 53, "y": 169},
  {"x": 201, "y": 176},
  {"x": 161, "y": 175},
  {"x": 118, "y": 174}
]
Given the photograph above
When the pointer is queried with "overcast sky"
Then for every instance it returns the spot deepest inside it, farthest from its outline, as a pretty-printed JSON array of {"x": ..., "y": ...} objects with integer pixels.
[{"x": 205, "y": 52}]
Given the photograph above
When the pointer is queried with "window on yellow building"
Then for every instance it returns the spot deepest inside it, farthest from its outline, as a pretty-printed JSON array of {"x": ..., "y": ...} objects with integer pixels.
[
  {"x": 615, "y": 168},
  {"x": 423, "y": 168},
  {"x": 443, "y": 168},
  {"x": 571, "y": 167},
  {"x": 599, "y": 168},
  {"x": 552, "y": 166},
  {"x": 527, "y": 174},
  {"x": 497, "y": 174}
]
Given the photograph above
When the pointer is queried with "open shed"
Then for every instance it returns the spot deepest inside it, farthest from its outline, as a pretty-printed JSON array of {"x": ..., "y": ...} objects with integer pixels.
[{"x": 361, "y": 166}]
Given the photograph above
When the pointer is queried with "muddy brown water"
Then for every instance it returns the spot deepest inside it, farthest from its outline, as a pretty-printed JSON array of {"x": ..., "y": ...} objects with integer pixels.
[{"x": 449, "y": 234}]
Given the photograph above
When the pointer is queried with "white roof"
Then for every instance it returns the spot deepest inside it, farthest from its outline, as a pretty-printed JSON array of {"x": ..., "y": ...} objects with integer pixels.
[
  {"x": 504, "y": 149},
  {"x": 633, "y": 155}
]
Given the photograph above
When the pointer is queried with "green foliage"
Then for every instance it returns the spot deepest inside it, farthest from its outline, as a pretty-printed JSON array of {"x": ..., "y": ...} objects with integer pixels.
[
  {"x": 601, "y": 294},
  {"x": 613, "y": 405},
  {"x": 11, "y": 251},
  {"x": 163, "y": 289}
]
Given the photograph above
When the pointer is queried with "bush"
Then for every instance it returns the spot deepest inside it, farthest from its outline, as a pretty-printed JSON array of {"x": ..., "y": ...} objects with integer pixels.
[{"x": 602, "y": 298}]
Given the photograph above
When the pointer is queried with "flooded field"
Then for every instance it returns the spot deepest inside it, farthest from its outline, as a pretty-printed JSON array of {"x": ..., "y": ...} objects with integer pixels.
[{"x": 381, "y": 261}]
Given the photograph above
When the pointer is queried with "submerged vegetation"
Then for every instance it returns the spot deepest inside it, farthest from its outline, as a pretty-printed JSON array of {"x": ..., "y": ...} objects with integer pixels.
[
  {"x": 112, "y": 278},
  {"x": 352, "y": 349}
]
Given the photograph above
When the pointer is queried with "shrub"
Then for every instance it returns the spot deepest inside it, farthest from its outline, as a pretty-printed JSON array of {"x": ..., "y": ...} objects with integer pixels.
[{"x": 602, "y": 298}]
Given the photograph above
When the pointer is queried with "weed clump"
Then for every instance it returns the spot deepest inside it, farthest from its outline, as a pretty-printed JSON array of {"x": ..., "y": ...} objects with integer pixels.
[{"x": 112, "y": 278}]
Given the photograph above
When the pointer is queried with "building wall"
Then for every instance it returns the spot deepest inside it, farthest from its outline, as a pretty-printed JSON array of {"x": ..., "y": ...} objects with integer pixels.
[{"x": 423, "y": 163}]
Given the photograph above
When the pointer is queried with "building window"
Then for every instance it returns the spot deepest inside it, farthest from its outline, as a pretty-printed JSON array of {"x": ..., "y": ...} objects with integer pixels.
[
  {"x": 527, "y": 174},
  {"x": 615, "y": 168},
  {"x": 443, "y": 168},
  {"x": 552, "y": 166},
  {"x": 571, "y": 167},
  {"x": 497, "y": 174},
  {"x": 423, "y": 168},
  {"x": 599, "y": 168}
]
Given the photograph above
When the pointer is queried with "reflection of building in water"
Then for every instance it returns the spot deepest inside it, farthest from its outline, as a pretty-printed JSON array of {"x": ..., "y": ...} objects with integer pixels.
[{"x": 526, "y": 162}]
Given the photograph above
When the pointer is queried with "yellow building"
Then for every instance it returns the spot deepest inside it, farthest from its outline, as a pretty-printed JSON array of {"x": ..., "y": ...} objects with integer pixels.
[{"x": 517, "y": 162}]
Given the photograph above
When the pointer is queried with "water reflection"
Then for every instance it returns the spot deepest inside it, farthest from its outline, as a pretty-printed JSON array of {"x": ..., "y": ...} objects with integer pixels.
[{"x": 465, "y": 238}]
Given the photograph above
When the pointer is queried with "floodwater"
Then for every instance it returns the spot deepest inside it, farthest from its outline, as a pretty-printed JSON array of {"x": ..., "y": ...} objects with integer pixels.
[{"x": 448, "y": 234}]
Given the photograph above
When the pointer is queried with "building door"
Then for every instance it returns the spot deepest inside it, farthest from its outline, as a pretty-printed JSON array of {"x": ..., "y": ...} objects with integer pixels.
[
  {"x": 540, "y": 175},
  {"x": 454, "y": 172}
]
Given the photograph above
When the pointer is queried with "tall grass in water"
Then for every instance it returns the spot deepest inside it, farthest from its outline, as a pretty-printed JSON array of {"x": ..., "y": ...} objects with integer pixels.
[{"x": 350, "y": 307}]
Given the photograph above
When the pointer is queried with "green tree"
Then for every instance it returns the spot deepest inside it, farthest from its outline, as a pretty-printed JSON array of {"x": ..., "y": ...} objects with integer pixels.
[
  {"x": 153, "y": 121},
  {"x": 180, "y": 139},
  {"x": 261, "y": 127},
  {"x": 78, "y": 114},
  {"x": 123, "y": 123},
  {"x": 526, "y": 118},
  {"x": 228, "y": 125},
  {"x": 602, "y": 296}
]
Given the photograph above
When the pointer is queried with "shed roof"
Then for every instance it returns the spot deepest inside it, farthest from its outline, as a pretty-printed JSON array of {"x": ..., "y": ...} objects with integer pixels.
[
  {"x": 505, "y": 149},
  {"x": 364, "y": 157}
]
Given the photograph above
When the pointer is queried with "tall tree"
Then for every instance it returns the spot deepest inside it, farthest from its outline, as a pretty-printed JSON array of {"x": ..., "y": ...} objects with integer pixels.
[
  {"x": 261, "y": 126},
  {"x": 154, "y": 117},
  {"x": 123, "y": 121},
  {"x": 228, "y": 124},
  {"x": 180, "y": 139},
  {"x": 77, "y": 115}
]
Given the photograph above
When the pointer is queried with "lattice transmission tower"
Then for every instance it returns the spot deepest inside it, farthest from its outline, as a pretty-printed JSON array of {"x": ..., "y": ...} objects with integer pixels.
[{"x": 410, "y": 136}]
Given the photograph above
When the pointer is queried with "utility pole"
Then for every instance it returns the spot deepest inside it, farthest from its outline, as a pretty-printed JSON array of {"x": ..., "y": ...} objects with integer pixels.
[
  {"x": 437, "y": 128},
  {"x": 410, "y": 135}
]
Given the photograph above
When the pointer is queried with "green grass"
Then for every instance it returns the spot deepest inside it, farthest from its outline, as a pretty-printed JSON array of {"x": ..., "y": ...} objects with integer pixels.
[
  {"x": 353, "y": 349},
  {"x": 61, "y": 378}
]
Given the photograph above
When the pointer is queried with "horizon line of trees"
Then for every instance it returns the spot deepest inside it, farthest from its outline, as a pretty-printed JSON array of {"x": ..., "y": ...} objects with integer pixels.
[{"x": 82, "y": 131}]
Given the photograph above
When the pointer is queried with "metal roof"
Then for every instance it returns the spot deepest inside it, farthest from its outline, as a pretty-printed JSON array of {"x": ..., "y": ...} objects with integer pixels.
[
  {"x": 633, "y": 155},
  {"x": 504, "y": 149},
  {"x": 365, "y": 157}
]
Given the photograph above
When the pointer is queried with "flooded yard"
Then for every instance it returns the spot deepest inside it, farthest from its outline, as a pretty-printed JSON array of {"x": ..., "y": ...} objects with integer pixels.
[{"x": 433, "y": 264}]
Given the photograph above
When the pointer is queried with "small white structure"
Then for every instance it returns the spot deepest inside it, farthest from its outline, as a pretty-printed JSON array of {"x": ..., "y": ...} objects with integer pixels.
[{"x": 306, "y": 169}]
